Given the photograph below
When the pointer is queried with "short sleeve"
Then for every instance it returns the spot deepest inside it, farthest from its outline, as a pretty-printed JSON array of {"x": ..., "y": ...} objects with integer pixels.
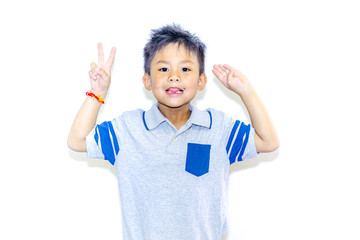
[
  {"x": 241, "y": 142},
  {"x": 102, "y": 142}
]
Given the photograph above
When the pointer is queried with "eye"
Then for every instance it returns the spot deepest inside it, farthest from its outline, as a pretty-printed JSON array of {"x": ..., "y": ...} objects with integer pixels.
[
  {"x": 163, "y": 69},
  {"x": 185, "y": 69}
]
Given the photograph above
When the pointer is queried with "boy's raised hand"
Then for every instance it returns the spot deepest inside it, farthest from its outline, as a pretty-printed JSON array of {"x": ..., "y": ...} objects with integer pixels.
[
  {"x": 100, "y": 73},
  {"x": 266, "y": 139},
  {"x": 232, "y": 78}
]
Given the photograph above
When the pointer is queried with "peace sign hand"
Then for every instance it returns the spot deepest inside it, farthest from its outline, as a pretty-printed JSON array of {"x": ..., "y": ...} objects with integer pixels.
[{"x": 100, "y": 73}]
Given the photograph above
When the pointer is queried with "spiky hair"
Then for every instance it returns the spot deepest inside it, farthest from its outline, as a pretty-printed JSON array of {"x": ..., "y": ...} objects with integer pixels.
[{"x": 165, "y": 35}]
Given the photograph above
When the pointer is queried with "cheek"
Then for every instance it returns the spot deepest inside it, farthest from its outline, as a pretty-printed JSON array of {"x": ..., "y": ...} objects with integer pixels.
[
  {"x": 157, "y": 84},
  {"x": 193, "y": 88}
]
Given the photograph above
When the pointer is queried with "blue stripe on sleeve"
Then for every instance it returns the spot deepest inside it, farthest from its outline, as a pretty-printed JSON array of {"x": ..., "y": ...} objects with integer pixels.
[
  {"x": 233, "y": 131},
  {"x": 107, "y": 145},
  {"x": 96, "y": 136},
  {"x": 247, "y": 132},
  {"x": 239, "y": 143},
  {"x": 115, "y": 142}
]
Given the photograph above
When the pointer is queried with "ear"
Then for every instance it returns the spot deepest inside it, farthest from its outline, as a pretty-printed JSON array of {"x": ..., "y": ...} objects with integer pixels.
[
  {"x": 202, "y": 81},
  {"x": 147, "y": 81}
]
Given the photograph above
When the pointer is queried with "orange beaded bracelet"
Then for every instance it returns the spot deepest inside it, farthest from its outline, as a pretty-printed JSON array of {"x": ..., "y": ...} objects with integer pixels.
[{"x": 90, "y": 94}]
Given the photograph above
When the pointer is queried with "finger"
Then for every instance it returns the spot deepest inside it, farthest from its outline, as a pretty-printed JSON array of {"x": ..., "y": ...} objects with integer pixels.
[
  {"x": 111, "y": 58},
  {"x": 227, "y": 66},
  {"x": 103, "y": 74},
  {"x": 100, "y": 53},
  {"x": 93, "y": 66},
  {"x": 235, "y": 72},
  {"x": 226, "y": 70},
  {"x": 217, "y": 71},
  {"x": 217, "y": 67},
  {"x": 92, "y": 76},
  {"x": 221, "y": 73}
]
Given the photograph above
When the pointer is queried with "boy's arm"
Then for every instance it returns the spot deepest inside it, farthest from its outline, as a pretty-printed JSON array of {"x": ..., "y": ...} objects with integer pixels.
[
  {"x": 85, "y": 120},
  {"x": 266, "y": 139}
]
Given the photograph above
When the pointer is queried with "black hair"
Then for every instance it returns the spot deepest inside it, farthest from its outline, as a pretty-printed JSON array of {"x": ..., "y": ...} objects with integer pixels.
[{"x": 165, "y": 35}]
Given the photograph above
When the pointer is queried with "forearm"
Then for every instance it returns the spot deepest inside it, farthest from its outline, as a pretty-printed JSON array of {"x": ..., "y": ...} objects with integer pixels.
[
  {"x": 266, "y": 138},
  {"x": 84, "y": 122}
]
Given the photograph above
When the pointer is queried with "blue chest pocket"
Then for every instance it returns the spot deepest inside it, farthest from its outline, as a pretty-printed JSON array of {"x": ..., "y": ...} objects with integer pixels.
[{"x": 197, "y": 159}]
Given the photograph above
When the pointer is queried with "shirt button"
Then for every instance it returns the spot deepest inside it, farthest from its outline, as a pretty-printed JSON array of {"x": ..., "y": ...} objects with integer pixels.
[{"x": 174, "y": 139}]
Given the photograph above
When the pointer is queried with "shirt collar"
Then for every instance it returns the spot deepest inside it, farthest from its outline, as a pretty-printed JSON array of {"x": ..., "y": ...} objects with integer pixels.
[{"x": 153, "y": 117}]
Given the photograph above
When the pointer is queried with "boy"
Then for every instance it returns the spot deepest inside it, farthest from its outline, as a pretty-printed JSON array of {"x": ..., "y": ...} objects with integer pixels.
[{"x": 172, "y": 160}]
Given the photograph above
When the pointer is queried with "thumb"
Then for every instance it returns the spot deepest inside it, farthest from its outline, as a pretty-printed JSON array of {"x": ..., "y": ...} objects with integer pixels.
[{"x": 230, "y": 75}]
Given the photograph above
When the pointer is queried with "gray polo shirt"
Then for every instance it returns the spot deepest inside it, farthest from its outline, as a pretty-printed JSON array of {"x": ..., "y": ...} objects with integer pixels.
[{"x": 172, "y": 182}]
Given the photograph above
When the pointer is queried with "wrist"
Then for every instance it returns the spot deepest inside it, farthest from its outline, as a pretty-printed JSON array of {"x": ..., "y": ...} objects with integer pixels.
[
  {"x": 97, "y": 92},
  {"x": 246, "y": 92},
  {"x": 96, "y": 96}
]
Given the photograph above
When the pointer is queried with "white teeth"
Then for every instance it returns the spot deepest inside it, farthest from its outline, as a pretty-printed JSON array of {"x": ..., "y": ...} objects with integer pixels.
[{"x": 180, "y": 91}]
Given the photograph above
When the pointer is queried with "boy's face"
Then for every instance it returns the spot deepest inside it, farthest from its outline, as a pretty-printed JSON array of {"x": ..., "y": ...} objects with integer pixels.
[{"x": 174, "y": 77}]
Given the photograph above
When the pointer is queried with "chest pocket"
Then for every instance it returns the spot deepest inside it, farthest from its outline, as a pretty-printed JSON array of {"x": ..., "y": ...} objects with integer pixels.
[{"x": 197, "y": 159}]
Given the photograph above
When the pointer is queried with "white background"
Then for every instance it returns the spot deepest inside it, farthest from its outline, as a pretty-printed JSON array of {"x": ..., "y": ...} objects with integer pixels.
[{"x": 301, "y": 56}]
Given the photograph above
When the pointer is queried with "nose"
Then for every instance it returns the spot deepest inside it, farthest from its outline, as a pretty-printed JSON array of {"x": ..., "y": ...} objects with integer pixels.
[{"x": 174, "y": 77}]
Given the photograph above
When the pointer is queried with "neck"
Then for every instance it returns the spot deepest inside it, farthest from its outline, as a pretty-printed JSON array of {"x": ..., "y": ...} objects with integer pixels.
[{"x": 177, "y": 116}]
